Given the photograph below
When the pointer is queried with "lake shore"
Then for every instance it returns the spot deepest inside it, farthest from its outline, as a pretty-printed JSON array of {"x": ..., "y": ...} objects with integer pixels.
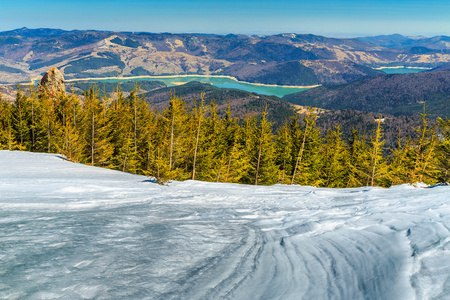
[
  {"x": 187, "y": 76},
  {"x": 402, "y": 67}
]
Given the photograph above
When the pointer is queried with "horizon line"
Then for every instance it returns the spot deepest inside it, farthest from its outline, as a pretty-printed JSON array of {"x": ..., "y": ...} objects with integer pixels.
[{"x": 330, "y": 35}]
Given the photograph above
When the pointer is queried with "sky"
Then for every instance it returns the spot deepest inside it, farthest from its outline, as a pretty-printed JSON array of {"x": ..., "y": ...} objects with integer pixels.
[{"x": 325, "y": 17}]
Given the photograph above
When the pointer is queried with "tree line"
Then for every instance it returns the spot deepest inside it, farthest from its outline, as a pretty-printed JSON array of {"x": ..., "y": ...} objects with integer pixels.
[{"x": 182, "y": 142}]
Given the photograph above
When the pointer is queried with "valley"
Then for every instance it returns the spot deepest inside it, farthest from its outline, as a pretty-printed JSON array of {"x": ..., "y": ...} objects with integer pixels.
[{"x": 283, "y": 59}]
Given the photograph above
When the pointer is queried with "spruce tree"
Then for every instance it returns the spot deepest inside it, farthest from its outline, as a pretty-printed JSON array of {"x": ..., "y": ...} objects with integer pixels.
[
  {"x": 335, "y": 157},
  {"x": 308, "y": 156},
  {"x": 21, "y": 114},
  {"x": 444, "y": 150},
  {"x": 264, "y": 152},
  {"x": 426, "y": 159},
  {"x": 96, "y": 130},
  {"x": 378, "y": 171},
  {"x": 7, "y": 133},
  {"x": 284, "y": 145},
  {"x": 358, "y": 163},
  {"x": 71, "y": 122}
]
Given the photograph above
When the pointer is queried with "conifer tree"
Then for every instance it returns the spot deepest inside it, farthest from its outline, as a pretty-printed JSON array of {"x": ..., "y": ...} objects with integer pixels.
[
  {"x": 96, "y": 130},
  {"x": 335, "y": 157},
  {"x": 399, "y": 158},
  {"x": 358, "y": 162},
  {"x": 264, "y": 152},
  {"x": 129, "y": 117},
  {"x": 71, "y": 111},
  {"x": 378, "y": 172},
  {"x": 211, "y": 151},
  {"x": 198, "y": 115},
  {"x": 308, "y": 160},
  {"x": 284, "y": 151},
  {"x": 444, "y": 150},
  {"x": 234, "y": 161},
  {"x": 171, "y": 154},
  {"x": 425, "y": 163},
  {"x": 21, "y": 114},
  {"x": 7, "y": 133},
  {"x": 50, "y": 136}
]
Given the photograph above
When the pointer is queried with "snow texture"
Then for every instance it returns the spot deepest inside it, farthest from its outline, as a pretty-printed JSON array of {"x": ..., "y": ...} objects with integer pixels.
[{"x": 71, "y": 231}]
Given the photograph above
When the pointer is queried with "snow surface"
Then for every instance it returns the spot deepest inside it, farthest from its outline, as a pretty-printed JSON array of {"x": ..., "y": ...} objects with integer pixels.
[{"x": 71, "y": 231}]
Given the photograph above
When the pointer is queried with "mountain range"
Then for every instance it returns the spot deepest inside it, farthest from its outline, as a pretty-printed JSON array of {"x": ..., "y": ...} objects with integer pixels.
[{"x": 283, "y": 59}]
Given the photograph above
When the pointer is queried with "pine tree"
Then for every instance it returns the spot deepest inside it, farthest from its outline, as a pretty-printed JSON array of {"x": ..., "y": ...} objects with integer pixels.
[
  {"x": 444, "y": 150},
  {"x": 210, "y": 156},
  {"x": 308, "y": 156},
  {"x": 49, "y": 131},
  {"x": 335, "y": 157},
  {"x": 198, "y": 114},
  {"x": 247, "y": 139},
  {"x": 358, "y": 162},
  {"x": 284, "y": 148},
  {"x": 21, "y": 114},
  {"x": 170, "y": 153},
  {"x": 398, "y": 168},
  {"x": 425, "y": 163},
  {"x": 96, "y": 130},
  {"x": 7, "y": 133},
  {"x": 129, "y": 117},
  {"x": 378, "y": 172},
  {"x": 264, "y": 152}
]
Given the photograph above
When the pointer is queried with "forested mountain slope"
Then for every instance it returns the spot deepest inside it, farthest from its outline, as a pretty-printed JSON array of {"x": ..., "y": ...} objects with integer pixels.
[{"x": 398, "y": 94}]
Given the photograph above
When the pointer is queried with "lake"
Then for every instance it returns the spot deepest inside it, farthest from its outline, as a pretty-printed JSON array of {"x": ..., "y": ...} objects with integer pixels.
[
  {"x": 402, "y": 70},
  {"x": 221, "y": 82}
]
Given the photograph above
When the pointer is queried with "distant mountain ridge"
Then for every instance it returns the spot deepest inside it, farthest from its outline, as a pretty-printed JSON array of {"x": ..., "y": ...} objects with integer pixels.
[
  {"x": 402, "y": 42},
  {"x": 288, "y": 59}
]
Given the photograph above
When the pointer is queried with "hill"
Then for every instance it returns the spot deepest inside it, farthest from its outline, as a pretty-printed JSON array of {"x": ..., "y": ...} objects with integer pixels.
[
  {"x": 288, "y": 59},
  {"x": 241, "y": 102},
  {"x": 398, "y": 94}
]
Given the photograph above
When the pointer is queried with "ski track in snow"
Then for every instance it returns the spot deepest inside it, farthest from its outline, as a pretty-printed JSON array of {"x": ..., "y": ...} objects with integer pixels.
[{"x": 70, "y": 231}]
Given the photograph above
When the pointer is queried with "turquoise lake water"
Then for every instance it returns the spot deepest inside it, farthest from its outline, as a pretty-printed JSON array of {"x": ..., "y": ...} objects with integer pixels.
[
  {"x": 221, "y": 82},
  {"x": 403, "y": 70}
]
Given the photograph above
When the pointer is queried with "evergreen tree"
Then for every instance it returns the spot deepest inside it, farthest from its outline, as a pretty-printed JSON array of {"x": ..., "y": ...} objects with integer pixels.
[
  {"x": 96, "y": 130},
  {"x": 378, "y": 172},
  {"x": 358, "y": 162},
  {"x": 21, "y": 114},
  {"x": 284, "y": 145},
  {"x": 170, "y": 154},
  {"x": 264, "y": 152},
  {"x": 335, "y": 157},
  {"x": 198, "y": 117},
  {"x": 71, "y": 113},
  {"x": 49, "y": 131},
  {"x": 425, "y": 166},
  {"x": 444, "y": 150},
  {"x": 7, "y": 133},
  {"x": 308, "y": 156}
]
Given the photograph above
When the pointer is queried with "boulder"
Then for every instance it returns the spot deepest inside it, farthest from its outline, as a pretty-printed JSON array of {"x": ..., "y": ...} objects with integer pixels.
[{"x": 53, "y": 83}]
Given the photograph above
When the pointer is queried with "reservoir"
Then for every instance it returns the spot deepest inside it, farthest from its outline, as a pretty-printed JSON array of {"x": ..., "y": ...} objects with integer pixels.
[
  {"x": 217, "y": 81},
  {"x": 401, "y": 70}
]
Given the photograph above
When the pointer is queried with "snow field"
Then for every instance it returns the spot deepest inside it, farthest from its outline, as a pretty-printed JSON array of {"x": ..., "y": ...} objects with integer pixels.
[{"x": 70, "y": 231}]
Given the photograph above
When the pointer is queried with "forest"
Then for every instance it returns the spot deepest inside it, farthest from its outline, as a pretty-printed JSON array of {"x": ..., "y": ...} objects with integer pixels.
[{"x": 182, "y": 142}]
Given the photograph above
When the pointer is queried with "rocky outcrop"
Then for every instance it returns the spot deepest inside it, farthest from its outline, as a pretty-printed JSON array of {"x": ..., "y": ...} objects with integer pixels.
[{"x": 53, "y": 83}]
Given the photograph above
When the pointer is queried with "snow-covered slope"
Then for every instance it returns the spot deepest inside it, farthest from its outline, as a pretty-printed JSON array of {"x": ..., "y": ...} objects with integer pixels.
[{"x": 70, "y": 231}]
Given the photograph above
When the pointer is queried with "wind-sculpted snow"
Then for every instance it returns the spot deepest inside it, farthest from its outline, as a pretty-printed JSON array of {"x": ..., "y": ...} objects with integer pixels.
[{"x": 69, "y": 231}]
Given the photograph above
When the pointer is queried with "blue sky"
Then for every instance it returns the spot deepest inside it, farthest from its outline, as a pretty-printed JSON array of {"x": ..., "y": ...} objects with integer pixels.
[{"x": 325, "y": 17}]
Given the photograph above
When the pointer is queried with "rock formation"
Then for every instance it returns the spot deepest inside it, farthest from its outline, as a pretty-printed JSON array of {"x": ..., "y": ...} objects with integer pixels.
[{"x": 52, "y": 82}]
